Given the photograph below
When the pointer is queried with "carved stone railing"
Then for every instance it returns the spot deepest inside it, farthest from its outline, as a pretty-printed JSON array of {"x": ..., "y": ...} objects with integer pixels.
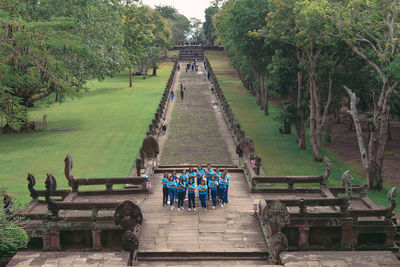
[
  {"x": 273, "y": 217},
  {"x": 75, "y": 183}
]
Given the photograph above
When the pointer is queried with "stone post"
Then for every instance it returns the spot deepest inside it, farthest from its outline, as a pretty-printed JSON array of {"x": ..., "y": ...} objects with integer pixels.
[
  {"x": 303, "y": 238},
  {"x": 54, "y": 240},
  {"x": 96, "y": 237}
]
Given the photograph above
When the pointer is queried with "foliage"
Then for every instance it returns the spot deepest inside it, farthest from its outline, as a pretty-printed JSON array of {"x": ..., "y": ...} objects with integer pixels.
[
  {"x": 12, "y": 113},
  {"x": 180, "y": 25},
  {"x": 12, "y": 236},
  {"x": 210, "y": 32}
]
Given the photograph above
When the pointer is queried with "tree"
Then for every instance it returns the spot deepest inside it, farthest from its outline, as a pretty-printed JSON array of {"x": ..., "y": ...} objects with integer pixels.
[
  {"x": 210, "y": 33},
  {"x": 240, "y": 37},
  {"x": 196, "y": 32},
  {"x": 180, "y": 25},
  {"x": 370, "y": 29}
]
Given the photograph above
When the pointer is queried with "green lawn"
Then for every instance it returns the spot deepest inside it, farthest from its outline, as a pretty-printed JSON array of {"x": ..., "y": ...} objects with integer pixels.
[
  {"x": 102, "y": 130},
  {"x": 280, "y": 153}
]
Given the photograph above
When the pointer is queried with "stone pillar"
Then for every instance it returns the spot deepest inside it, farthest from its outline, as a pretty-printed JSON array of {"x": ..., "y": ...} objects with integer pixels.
[
  {"x": 54, "y": 236},
  {"x": 96, "y": 237},
  {"x": 46, "y": 242},
  {"x": 348, "y": 239},
  {"x": 303, "y": 238}
]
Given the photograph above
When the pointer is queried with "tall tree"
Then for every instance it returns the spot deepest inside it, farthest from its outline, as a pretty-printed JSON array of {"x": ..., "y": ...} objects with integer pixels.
[
  {"x": 180, "y": 25},
  {"x": 210, "y": 33},
  {"x": 371, "y": 30}
]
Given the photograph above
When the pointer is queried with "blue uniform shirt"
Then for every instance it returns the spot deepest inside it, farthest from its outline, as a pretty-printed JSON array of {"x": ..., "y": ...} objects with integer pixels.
[
  {"x": 223, "y": 183},
  {"x": 213, "y": 185},
  {"x": 185, "y": 177},
  {"x": 191, "y": 188},
  {"x": 228, "y": 178},
  {"x": 209, "y": 173},
  {"x": 164, "y": 182},
  {"x": 171, "y": 184},
  {"x": 180, "y": 187},
  {"x": 192, "y": 175},
  {"x": 203, "y": 187},
  {"x": 217, "y": 175},
  {"x": 200, "y": 173}
]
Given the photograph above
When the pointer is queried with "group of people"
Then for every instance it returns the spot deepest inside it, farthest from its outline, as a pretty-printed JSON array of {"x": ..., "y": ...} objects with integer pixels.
[{"x": 208, "y": 183}]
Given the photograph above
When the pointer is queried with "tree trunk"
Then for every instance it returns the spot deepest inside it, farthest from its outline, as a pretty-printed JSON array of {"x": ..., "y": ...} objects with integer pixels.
[
  {"x": 130, "y": 77},
  {"x": 389, "y": 131},
  {"x": 262, "y": 97},
  {"x": 300, "y": 125},
  {"x": 154, "y": 71},
  {"x": 265, "y": 99}
]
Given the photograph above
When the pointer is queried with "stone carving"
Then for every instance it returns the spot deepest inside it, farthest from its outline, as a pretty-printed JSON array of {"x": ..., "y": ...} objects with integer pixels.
[
  {"x": 150, "y": 146},
  {"x": 51, "y": 187},
  {"x": 327, "y": 173},
  {"x": 247, "y": 146},
  {"x": 68, "y": 165},
  {"x": 31, "y": 184},
  {"x": 392, "y": 198},
  {"x": 347, "y": 182},
  {"x": 130, "y": 243},
  {"x": 275, "y": 216},
  {"x": 279, "y": 243},
  {"x": 138, "y": 166},
  {"x": 128, "y": 215}
]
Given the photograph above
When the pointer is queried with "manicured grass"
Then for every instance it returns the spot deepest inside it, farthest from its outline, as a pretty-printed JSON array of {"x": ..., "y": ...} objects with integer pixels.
[
  {"x": 280, "y": 153},
  {"x": 102, "y": 130}
]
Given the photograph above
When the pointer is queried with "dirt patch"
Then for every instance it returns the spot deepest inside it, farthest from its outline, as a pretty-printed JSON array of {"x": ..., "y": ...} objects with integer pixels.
[
  {"x": 344, "y": 142},
  {"x": 63, "y": 129}
]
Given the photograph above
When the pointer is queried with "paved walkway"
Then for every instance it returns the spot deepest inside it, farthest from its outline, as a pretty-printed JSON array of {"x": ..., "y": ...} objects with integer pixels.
[{"x": 195, "y": 135}]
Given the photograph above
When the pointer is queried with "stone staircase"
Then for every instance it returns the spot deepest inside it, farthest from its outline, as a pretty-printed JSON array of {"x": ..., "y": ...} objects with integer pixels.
[{"x": 189, "y": 53}]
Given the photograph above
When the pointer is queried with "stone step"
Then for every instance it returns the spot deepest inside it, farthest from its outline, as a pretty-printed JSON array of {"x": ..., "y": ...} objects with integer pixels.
[{"x": 201, "y": 256}]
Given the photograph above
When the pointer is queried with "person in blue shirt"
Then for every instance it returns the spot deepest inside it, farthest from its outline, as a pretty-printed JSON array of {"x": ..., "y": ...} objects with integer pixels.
[
  {"x": 171, "y": 190},
  {"x": 222, "y": 187},
  {"x": 192, "y": 174},
  {"x": 228, "y": 177},
  {"x": 208, "y": 174},
  {"x": 181, "y": 187},
  {"x": 184, "y": 176},
  {"x": 164, "y": 182},
  {"x": 217, "y": 175},
  {"x": 191, "y": 187},
  {"x": 213, "y": 188},
  {"x": 203, "y": 194},
  {"x": 200, "y": 174}
]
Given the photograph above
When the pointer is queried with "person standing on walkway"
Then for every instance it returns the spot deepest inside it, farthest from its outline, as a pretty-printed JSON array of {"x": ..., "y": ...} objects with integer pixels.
[
  {"x": 208, "y": 173},
  {"x": 212, "y": 87},
  {"x": 205, "y": 65},
  {"x": 182, "y": 94},
  {"x": 200, "y": 174},
  {"x": 191, "y": 187},
  {"x": 184, "y": 86},
  {"x": 217, "y": 175},
  {"x": 192, "y": 174},
  {"x": 239, "y": 152},
  {"x": 164, "y": 124},
  {"x": 212, "y": 185},
  {"x": 172, "y": 95},
  {"x": 164, "y": 182},
  {"x": 222, "y": 187},
  {"x": 181, "y": 85},
  {"x": 228, "y": 177},
  {"x": 208, "y": 75},
  {"x": 171, "y": 190},
  {"x": 203, "y": 194},
  {"x": 181, "y": 187}
]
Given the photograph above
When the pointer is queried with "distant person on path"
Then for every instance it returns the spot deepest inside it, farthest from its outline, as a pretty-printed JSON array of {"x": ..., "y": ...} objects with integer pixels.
[
  {"x": 164, "y": 124},
  {"x": 205, "y": 65},
  {"x": 172, "y": 95},
  {"x": 212, "y": 185},
  {"x": 193, "y": 67},
  {"x": 191, "y": 187},
  {"x": 239, "y": 152},
  {"x": 208, "y": 75},
  {"x": 200, "y": 174},
  {"x": 179, "y": 67},
  {"x": 184, "y": 86},
  {"x": 181, "y": 85},
  {"x": 203, "y": 194},
  {"x": 182, "y": 94},
  {"x": 212, "y": 87},
  {"x": 181, "y": 187},
  {"x": 222, "y": 189},
  {"x": 197, "y": 68},
  {"x": 164, "y": 182},
  {"x": 171, "y": 190}
]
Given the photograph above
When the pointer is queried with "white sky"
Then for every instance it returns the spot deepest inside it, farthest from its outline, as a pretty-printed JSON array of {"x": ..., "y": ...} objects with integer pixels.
[{"x": 189, "y": 8}]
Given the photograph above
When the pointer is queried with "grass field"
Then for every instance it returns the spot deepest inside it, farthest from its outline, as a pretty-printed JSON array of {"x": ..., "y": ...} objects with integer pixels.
[
  {"x": 280, "y": 153},
  {"x": 102, "y": 130}
]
